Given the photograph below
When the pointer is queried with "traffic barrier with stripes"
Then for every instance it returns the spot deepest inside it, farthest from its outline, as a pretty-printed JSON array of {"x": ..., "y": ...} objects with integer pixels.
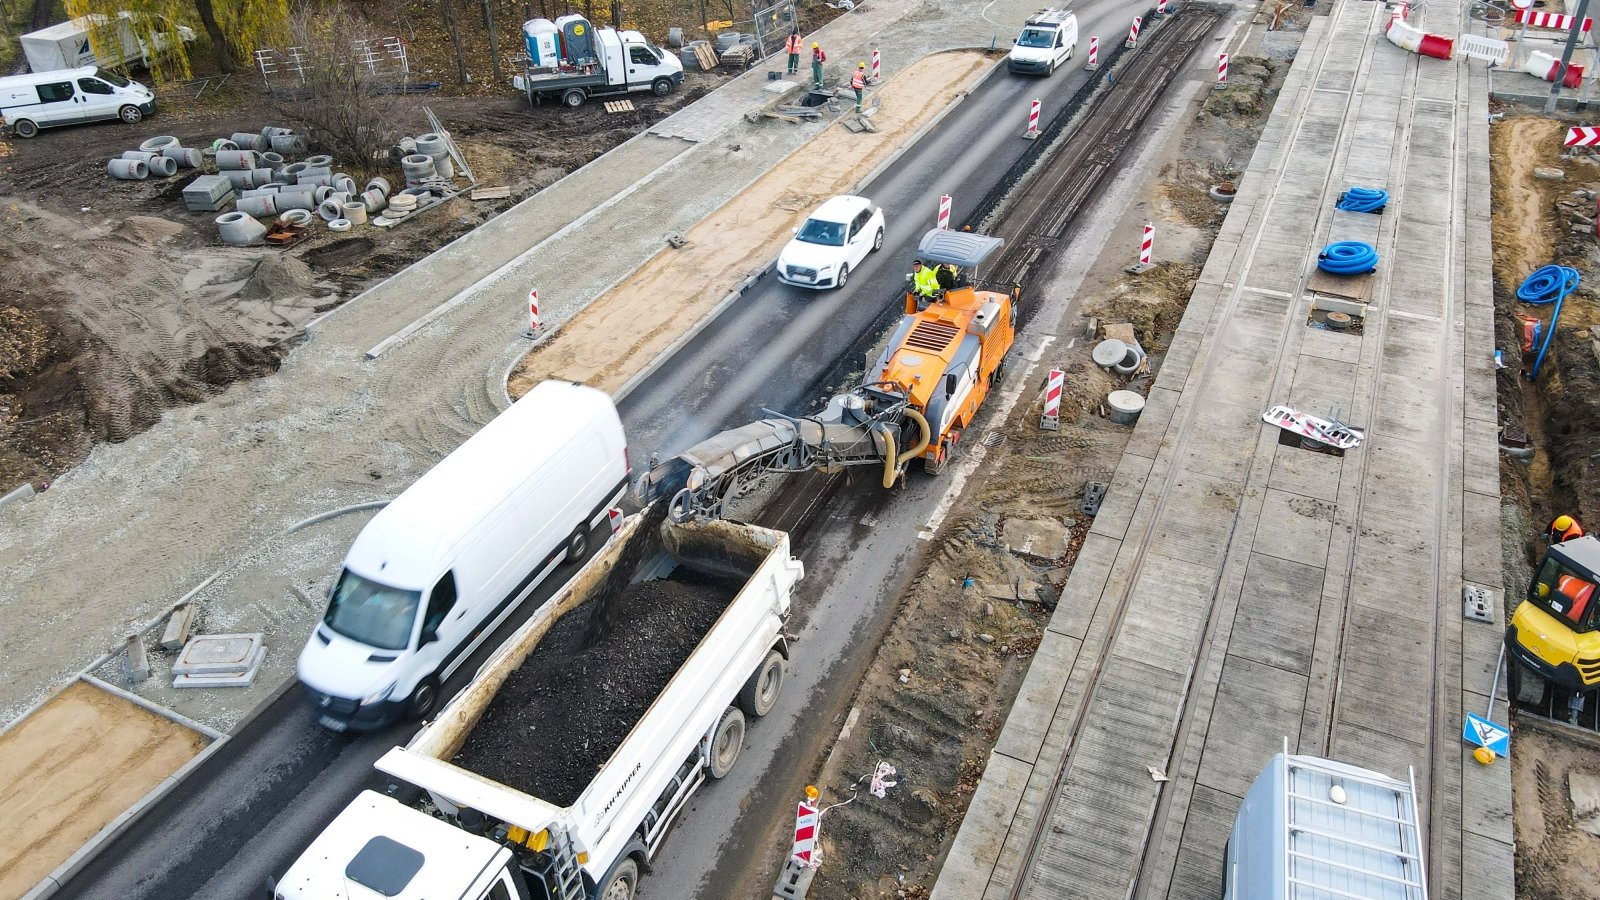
[
  {"x": 1551, "y": 20},
  {"x": 615, "y": 515},
  {"x": 1583, "y": 136},
  {"x": 1133, "y": 32},
  {"x": 805, "y": 834},
  {"x": 1051, "y": 419},
  {"x": 1147, "y": 243},
  {"x": 1094, "y": 53},
  {"x": 1222, "y": 70},
  {"x": 1543, "y": 65},
  {"x": 533, "y": 312},
  {"x": 877, "y": 63},
  {"x": 1404, "y": 36},
  {"x": 944, "y": 211},
  {"x": 1033, "y": 121},
  {"x": 1161, "y": 7}
]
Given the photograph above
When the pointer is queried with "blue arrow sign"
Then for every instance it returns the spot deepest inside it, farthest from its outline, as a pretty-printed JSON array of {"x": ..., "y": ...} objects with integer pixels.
[{"x": 1484, "y": 733}]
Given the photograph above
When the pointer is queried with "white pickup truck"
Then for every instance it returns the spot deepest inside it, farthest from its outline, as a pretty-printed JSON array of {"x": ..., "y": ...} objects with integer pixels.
[{"x": 483, "y": 840}]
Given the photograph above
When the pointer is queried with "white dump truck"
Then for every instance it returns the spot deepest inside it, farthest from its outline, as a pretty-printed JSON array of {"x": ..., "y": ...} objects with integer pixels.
[{"x": 475, "y": 838}]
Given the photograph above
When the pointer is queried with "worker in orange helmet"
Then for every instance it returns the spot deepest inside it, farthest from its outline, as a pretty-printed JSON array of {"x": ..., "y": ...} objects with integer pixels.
[
  {"x": 793, "y": 46},
  {"x": 858, "y": 83},
  {"x": 1563, "y": 528},
  {"x": 817, "y": 59}
]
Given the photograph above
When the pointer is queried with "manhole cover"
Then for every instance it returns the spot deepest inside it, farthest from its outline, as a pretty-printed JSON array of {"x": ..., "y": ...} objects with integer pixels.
[{"x": 211, "y": 654}]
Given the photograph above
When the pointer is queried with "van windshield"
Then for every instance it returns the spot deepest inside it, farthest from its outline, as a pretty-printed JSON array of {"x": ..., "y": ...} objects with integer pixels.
[
  {"x": 1036, "y": 37},
  {"x": 374, "y": 614},
  {"x": 112, "y": 78}
]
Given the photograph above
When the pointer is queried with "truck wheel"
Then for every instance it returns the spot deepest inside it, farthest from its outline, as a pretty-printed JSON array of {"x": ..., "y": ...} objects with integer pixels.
[
  {"x": 760, "y": 694},
  {"x": 573, "y": 98},
  {"x": 726, "y": 742},
  {"x": 578, "y": 544},
  {"x": 25, "y": 128},
  {"x": 424, "y": 698},
  {"x": 621, "y": 882},
  {"x": 130, "y": 114},
  {"x": 661, "y": 87}
]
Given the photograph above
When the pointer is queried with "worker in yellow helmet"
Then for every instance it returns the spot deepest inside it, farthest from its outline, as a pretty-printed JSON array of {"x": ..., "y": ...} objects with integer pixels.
[
  {"x": 1562, "y": 529},
  {"x": 817, "y": 59},
  {"x": 858, "y": 83},
  {"x": 924, "y": 280}
]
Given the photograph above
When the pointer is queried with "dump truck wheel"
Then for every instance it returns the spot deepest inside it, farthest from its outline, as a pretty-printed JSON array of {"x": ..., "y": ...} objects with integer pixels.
[
  {"x": 760, "y": 694},
  {"x": 727, "y": 742},
  {"x": 622, "y": 881}
]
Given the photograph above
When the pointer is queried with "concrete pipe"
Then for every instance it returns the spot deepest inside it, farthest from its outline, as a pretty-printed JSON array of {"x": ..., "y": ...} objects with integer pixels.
[
  {"x": 380, "y": 184},
  {"x": 272, "y": 160},
  {"x": 186, "y": 157},
  {"x": 339, "y": 225},
  {"x": 432, "y": 144},
  {"x": 235, "y": 160},
  {"x": 295, "y": 217},
  {"x": 321, "y": 192},
  {"x": 293, "y": 171},
  {"x": 141, "y": 155},
  {"x": 240, "y": 179},
  {"x": 1108, "y": 353},
  {"x": 128, "y": 169},
  {"x": 320, "y": 161},
  {"x": 261, "y": 205},
  {"x": 311, "y": 171},
  {"x": 256, "y": 192},
  {"x": 1131, "y": 358},
  {"x": 162, "y": 167},
  {"x": 444, "y": 168},
  {"x": 403, "y": 149},
  {"x": 287, "y": 201},
  {"x": 288, "y": 144},
  {"x": 356, "y": 212},
  {"x": 158, "y": 143},
  {"x": 262, "y": 176},
  {"x": 417, "y": 167},
  {"x": 316, "y": 180},
  {"x": 221, "y": 144},
  {"x": 375, "y": 201},
  {"x": 239, "y": 230},
  {"x": 271, "y": 131},
  {"x": 1125, "y": 406},
  {"x": 298, "y": 189},
  {"x": 330, "y": 209},
  {"x": 343, "y": 182},
  {"x": 250, "y": 141}
]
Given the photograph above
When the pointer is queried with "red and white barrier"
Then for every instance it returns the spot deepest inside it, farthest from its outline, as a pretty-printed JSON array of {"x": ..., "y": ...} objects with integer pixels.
[
  {"x": 1416, "y": 40},
  {"x": 1094, "y": 52},
  {"x": 533, "y": 311},
  {"x": 1033, "y": 121},
  {"x": 877, "y": 63},
  {"x": 1585, "y": 136},
  {"x": 1147, "y": 244},
  {"x": 614, "y": 514},
  {"x": 1051, "y": 419},
  {"x": 1551, "y": 20},
  {"x": 944, "y": 211},
  {"x": 1133, "y": 31},
  {"x": 1161, "y": 7},
  {"x": 1543, "y": 65},
  {"x": 1222, "y": 69},
  {"x": 805, "y": 834}
]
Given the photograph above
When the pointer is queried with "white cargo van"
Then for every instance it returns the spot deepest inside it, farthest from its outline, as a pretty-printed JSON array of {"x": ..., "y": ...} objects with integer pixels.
[
  {"x": 87, "y": 94},
  {"x": 1047, "y": 40},
  {"x": 437, "y": 570}
]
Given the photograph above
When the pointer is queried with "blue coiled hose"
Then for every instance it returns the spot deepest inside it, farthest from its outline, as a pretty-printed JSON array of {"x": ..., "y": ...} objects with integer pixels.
[
  {"x": 1348, "y": 258},
  {"x": 1363, "y": 200},
  {"x": 1550, "y": 284}
]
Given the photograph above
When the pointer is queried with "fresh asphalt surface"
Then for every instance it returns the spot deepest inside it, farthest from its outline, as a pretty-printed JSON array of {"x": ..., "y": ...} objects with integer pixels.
[{"x": 254, "y": 807}]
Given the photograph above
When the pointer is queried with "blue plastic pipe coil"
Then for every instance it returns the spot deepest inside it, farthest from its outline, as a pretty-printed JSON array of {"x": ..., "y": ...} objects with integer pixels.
[
  {"x": 1348, "y": 258},
  {"x": 1550, "y": 284},
  {"x": 1363, "y": 200}
]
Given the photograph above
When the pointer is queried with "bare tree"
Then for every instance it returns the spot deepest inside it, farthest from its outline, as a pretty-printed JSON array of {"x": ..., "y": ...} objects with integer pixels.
[{"x": 350, "y": 108}]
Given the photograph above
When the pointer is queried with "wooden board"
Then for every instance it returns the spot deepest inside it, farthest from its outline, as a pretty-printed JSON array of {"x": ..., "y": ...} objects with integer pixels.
[
  {"x": 617, "y": 106},
  {"x": 491, "y": 193},
  {"x": 705, "y": 56},
  {"x": 1351, "y": 287}
]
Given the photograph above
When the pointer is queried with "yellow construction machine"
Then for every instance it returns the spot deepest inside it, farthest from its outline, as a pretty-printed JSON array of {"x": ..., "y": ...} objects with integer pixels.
[
  {"x": 941, "y": 363},
  {"x": 1554, "y": 633}
]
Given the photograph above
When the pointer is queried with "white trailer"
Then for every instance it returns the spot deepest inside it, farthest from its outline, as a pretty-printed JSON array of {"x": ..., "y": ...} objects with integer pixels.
[
  {"x": 503, "y": 843},
  {"x": 66, "y": 45}
]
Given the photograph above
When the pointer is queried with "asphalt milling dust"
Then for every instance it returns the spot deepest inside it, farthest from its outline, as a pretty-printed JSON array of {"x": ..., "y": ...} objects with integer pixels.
[{"x": 563, "y": 712}]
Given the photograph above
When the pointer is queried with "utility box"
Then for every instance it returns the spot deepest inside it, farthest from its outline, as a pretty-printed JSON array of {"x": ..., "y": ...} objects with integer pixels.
[{"x": 208, "y": 193}]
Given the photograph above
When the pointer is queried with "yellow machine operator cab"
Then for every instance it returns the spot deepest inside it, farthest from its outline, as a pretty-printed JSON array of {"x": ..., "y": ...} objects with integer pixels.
[
  {"x": 949, "y": 350},
  {"x": 1555, "y": 630}
]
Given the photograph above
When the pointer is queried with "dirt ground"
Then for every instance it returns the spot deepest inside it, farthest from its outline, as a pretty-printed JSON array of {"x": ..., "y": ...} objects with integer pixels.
[
  {"x": 942, "y": 682},
  {"x": 582, "y": 698},
  {"x": 1560, "y": 412},
  {"x": 124, "y": 752},
  {"x": 663, "y": 297},
  {"x": 120, "y": 303}
]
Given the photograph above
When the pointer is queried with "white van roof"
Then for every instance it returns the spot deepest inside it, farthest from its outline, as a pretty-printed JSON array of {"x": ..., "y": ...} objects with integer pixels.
[
  {"x": 406, "y": 541},
  {"x": 32, "y": 78},
  {"x": 1049, "y": 17}
]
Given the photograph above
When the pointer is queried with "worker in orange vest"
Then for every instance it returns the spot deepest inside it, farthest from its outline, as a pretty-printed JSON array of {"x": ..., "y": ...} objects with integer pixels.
[
  {"x": 858, "y": 83},
  {"x": 793, "y": 46},
  {"x": 1562, "y": 529},
  {"x": 817, "y": 59}
]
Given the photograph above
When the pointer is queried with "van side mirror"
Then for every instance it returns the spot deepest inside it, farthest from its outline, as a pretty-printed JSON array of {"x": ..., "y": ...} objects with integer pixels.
[{"x": 428, "y": 636}]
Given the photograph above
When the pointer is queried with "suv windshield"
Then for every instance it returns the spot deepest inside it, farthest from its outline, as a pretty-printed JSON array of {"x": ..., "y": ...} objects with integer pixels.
[
  {"x": 110, "y": 77},
  {"x": 374, "y": 614},
  {"x": 818, "y": 231},
  {"x": 1036, "y": 37}
]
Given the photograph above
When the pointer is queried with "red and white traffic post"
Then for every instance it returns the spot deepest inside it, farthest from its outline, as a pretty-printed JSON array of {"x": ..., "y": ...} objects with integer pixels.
[
  {"x": 1161, "y": 7},
  {"x": 1033, "y": 121},
  {"x": 1051, "y": 419},
  {"x": 877, "y": 63},
  {"x": 1094, "y": 53},
  {"x": 1146, "y": 245},
  {"x": 533, "y": 313},
  {"x": 1133, "y": 32},
  {"x": 614, "y": 514},
  {"x": 944, "y": 211},
  {"x": 1222, "y": 71}
]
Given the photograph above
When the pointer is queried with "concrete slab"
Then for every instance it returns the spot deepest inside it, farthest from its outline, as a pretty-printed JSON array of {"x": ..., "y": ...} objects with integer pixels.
[
  {"x": 1276, "y": 622},
  {"x": 1295, "y": 528},
  {"x": 242, "y": 678},
  {"x": 217, "y": 654},
  {"x": 1042, "y": 539}
]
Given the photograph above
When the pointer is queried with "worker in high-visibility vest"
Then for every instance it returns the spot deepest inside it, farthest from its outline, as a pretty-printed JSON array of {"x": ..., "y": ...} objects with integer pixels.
[
  {"x": 1562, "y": 529},
  {"x": 924, "y": 280},
  {"x": 817, "y": 59},
  {"x": 793, "y": 46},
  {"x": 858, "y": 83}
]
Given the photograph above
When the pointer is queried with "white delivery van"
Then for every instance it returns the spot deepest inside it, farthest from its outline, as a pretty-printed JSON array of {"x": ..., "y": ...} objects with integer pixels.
[
  {"x": 86, "y": 94},
  {"x": 437, "y": 570},
  {"x": 1047, "y": 40}
]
